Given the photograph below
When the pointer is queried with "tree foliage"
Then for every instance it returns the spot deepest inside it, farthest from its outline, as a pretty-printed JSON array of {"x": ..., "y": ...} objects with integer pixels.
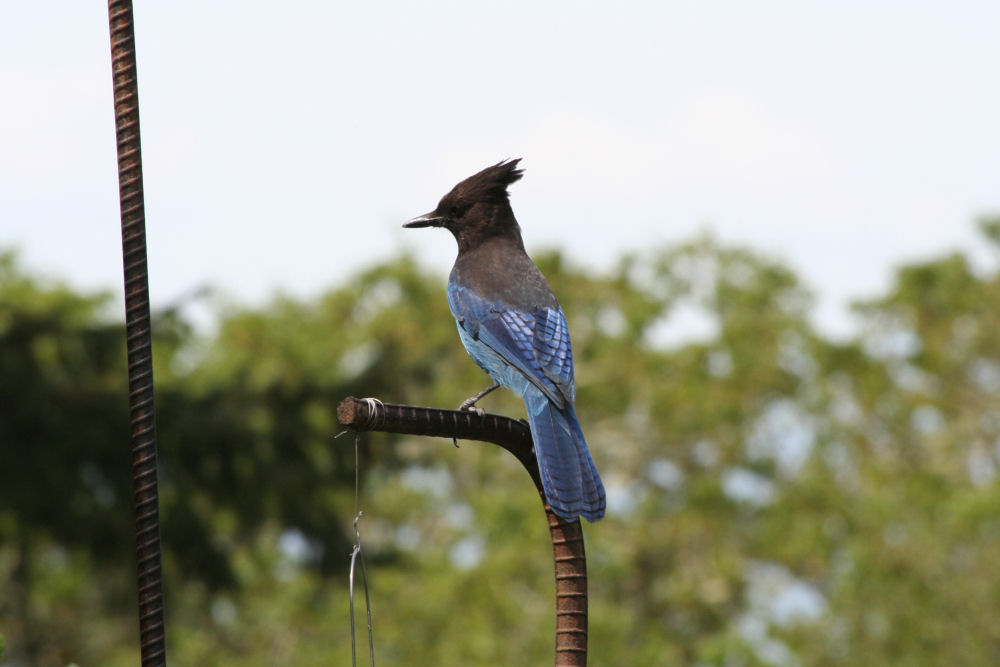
[{"x": 775, "y": 497}]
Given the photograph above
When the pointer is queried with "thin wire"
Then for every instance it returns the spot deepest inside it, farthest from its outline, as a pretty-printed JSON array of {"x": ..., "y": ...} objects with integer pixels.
[
  {"x": 364, "y": 571},
  {"x": 376, "y": 413}
]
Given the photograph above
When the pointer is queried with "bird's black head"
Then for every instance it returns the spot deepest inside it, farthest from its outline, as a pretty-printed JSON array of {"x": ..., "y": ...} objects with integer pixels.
[{"x": 478, "y": 208}]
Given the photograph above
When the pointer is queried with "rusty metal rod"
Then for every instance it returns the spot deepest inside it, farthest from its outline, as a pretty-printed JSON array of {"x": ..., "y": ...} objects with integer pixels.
[
  {"x": 514, "y": 436},
  {"x": 138, "y": 336}
]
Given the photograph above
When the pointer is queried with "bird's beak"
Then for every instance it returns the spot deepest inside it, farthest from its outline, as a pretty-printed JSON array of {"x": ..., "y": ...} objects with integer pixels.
[{"x": 426, "y": 220}]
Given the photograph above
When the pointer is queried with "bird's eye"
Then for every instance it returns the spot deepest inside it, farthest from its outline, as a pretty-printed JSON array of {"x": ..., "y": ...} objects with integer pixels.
[{"x": 455, "y": 211}]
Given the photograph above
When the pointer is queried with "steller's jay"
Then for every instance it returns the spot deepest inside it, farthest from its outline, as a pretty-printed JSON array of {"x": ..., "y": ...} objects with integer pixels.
[{"x": 513, "y": 327}]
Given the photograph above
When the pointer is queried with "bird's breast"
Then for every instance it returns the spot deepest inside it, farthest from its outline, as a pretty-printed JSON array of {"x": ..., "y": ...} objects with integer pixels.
[{"x": 503, "y": 276}]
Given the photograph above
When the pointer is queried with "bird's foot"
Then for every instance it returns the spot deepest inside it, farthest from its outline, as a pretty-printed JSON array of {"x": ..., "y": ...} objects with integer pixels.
[{"x": 469, "y": 404}]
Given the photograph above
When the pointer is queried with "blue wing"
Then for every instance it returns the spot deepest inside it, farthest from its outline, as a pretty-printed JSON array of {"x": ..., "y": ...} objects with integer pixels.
[
  {"x": 529, "y": 353},
  {"x": 535, "y": 343}
]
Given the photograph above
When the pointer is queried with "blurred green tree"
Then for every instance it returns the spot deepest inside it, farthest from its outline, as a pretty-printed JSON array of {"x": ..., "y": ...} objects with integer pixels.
[{"x": 776, "y": 497}]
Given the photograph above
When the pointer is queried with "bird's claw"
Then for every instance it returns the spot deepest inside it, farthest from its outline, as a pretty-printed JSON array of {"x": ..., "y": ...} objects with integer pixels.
[
  {"x": 474, "y": 409},
  {"x": 469, "y": 404}
]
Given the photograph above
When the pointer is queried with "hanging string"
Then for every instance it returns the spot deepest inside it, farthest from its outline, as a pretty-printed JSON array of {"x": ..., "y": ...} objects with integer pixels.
[{"x": 356, "y": 553}]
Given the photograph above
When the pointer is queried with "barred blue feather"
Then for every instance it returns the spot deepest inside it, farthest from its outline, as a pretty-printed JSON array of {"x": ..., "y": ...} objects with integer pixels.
[{"x": 530, "y": 354}]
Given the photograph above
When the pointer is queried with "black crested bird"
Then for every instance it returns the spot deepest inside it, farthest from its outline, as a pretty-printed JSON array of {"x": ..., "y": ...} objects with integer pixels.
[{"x": 513, "y": 327}]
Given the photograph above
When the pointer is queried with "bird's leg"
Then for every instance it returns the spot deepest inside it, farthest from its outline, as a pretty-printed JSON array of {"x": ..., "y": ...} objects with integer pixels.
[{"x": 470, "y": 403}]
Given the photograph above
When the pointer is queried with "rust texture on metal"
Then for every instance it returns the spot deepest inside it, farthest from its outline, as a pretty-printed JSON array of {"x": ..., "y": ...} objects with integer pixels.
[
  {"x": 514, "y": 436},
  {"x": 571, "y": 590},
  {"x": 138, "y": 334}
]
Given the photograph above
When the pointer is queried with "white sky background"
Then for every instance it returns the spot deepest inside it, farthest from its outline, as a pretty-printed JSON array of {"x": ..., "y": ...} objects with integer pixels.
[{"x": 284, "y": 145}]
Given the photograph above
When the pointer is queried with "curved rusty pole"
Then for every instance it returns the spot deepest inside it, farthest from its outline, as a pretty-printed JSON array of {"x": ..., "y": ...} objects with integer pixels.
[
  {"x": 138, "y": 335},
  {"x": 514, "y": 436}
]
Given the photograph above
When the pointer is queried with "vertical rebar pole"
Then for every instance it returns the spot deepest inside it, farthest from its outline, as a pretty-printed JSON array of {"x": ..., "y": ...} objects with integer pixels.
[
  {"x": 138, "y": 335},
  {"x": 571, "y": 590}
]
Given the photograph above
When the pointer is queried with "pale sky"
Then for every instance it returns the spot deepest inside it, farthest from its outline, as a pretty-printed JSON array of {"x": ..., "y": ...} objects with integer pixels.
[{"x": 284, "y": 145}]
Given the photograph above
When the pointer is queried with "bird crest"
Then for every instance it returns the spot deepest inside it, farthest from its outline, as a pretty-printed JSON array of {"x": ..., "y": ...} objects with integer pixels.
[{"x": 490, "y": 184}]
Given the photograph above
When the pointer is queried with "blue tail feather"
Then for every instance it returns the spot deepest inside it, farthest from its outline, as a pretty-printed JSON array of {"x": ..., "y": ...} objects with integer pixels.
[{"x": 569, "y": 477}]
